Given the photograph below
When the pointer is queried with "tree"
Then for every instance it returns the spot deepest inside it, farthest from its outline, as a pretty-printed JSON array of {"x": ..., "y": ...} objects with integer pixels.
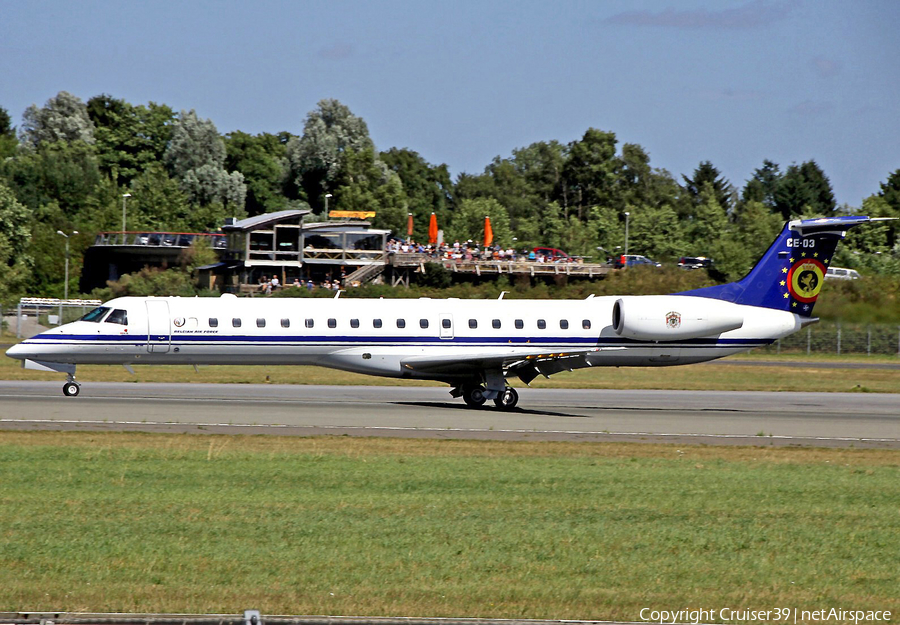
[
  {"x": 890, "y": 191},
  {"x": 590, "y": 172},
  {"x": 196, "y": 156},
  {"x": 315, "y": 159},
  {"x": 763, "y": 185},
  {"x": 15, "y": 261},
  {"x": 63, "y": 118},
  {"x": 365, "y": 183},
  {"x": 8, "y": 141},
  {"x": 706, "y": 173},
  {"x": 427, "y": 187},
  {"x": 468, "y": 222},
  {"x": 261, "y": 160},
  {"x": 128, "y": 138}
]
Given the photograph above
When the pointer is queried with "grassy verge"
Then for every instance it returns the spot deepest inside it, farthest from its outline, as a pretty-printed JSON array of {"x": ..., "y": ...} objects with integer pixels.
[
  {"x": 748, "y": 377},
  {"x": 129, "y": 522}
]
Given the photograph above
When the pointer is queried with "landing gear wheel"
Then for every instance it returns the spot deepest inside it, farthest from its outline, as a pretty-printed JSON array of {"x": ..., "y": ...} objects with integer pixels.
[
  {"x": 474, "y": 396},
  {"x": 71, "y": 389},
  {"x": 507, "y": 399}
]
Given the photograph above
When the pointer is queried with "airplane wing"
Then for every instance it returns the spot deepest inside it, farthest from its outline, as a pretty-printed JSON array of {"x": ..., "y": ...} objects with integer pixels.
[{"x": 527, "y": 365}]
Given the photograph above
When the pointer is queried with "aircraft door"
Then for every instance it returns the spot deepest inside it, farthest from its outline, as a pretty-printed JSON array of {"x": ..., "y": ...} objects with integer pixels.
[
  {"x": 159, "y": 330},
  {"x": 446, "y": 326}
]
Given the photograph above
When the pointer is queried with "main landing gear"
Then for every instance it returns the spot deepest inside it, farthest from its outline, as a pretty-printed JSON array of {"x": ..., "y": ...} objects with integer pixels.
[
  {"x": 475, "y": 396},
  {"x": 71, "y": 388}
]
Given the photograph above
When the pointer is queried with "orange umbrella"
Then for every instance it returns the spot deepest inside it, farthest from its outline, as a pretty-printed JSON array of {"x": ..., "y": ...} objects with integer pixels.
[
  {"x": 409, "y": 226},
  {"x": 488, "y": 232},
  {"x": 432, "y": 229}
]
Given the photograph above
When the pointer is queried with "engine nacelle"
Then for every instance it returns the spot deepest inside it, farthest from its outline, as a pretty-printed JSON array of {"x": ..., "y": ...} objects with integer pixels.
[{"x": 673, "y": 317}]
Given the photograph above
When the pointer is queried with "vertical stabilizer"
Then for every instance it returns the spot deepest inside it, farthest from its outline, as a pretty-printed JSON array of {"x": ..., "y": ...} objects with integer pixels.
[{"x": 790, "y": 274}]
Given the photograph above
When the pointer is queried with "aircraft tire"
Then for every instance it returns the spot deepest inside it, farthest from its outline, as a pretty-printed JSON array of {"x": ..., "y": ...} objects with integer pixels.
[
  {"x": 507, "y": 399},
  {"x": 474, "y": 396},
  {"x": 71, "y": 389}
]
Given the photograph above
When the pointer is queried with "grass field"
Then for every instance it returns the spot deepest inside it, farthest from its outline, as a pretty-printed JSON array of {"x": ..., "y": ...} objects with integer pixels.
[
  {"x": 793, "y": 376},
  {"x": 152, "y": 523}
]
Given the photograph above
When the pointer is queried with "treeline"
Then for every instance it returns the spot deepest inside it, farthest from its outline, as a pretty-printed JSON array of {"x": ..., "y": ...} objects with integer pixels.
[{"x": 67, "y": 166}]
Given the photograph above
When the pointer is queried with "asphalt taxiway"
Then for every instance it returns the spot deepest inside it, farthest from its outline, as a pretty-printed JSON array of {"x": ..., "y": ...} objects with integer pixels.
[{"x": 703, "y": 417}]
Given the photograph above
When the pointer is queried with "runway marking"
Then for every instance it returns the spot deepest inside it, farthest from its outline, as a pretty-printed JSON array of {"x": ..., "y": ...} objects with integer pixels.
[{"x": 364, "y": 428}]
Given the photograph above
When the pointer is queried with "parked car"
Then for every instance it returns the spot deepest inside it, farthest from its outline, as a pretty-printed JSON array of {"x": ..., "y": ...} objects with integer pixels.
[
  {"x": 695, "y": 262},
  {"x": 551, "y": 254},
  {"x": 635, "y": 260},
  {"x": 840, "y": 273}
]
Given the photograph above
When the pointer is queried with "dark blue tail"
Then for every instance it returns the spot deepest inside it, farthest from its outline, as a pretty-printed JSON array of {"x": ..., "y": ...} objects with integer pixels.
[{"x": 790, "y": 274}]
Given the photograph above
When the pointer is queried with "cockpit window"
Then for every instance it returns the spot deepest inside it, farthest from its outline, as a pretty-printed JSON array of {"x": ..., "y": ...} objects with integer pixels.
[
  {"x": 96, "y": 315},
  {"x": 118, "y": 316}
]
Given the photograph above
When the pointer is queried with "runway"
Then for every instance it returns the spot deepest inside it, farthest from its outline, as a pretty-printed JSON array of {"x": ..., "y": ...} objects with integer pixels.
[{"x": 685, "y": 417}]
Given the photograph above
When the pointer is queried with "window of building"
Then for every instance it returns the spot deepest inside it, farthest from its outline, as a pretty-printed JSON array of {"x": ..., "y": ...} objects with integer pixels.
[
  {"x": 236, "y": 322},
  {"x": 423, "y": 323},
  {"x": 563, "y": 324},
  {"x": 495, "y": 324},
  {"x": 542, "y": 324},
  {"x": 332, "y": 323},
  {"x": 401, "y": 323},
  {"x": 376, "y": 323},
  {"x": 285, "y": 323},
  {"x": 260, "y": 323},
  {"x": 473, "y": 323},
  {"x": 118, "y": 316},
  {"x": 519, "y": 324},
  {"x": 586, "y": 324},
  {"x": 310, "y": 323},
  {"x": 354, "y": 323},
  {"x": 213, "y": 322}
]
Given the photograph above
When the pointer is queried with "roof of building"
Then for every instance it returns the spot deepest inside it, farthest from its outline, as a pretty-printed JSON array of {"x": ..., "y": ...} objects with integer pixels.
[{"x": 266, "y": 219}]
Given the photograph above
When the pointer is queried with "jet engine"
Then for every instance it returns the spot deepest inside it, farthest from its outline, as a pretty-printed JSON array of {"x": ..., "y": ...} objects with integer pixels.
[{"x": 673, "y": 317}]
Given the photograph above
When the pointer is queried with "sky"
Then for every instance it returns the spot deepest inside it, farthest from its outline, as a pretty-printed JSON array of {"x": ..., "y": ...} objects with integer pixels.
[{"x": 731, "y": 82}]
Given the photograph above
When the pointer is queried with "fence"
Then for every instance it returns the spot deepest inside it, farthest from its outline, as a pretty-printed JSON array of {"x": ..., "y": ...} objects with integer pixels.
[
  {"x": 841, "y": 338},
  {"x": 35, "y": 314}
]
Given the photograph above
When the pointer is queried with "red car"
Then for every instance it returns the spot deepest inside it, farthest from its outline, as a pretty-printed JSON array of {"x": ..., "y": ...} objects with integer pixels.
[{"x": 552, "y": 254}]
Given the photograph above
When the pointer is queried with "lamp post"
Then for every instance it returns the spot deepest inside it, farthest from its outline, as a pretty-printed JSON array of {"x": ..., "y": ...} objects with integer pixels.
[
  {"x": 66, "y": 284},
  {"x": 125, "y": 196},
  {"x": 327, "y": 195},
  {"x": 626, "y": 234}
]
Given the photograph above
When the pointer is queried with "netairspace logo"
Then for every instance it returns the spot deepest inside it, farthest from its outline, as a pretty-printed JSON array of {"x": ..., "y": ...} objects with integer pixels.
[{"x": 776, "y": 615}]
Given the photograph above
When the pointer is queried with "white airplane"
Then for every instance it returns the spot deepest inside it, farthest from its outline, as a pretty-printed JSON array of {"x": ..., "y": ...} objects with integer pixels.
[{"x": 472, "y": 345}]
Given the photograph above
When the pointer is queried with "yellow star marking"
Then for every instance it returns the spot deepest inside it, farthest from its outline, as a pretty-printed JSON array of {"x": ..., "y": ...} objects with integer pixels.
[
  {"x": 785, "y": 296},
  {"x": 782, "y": 283},
  {"x": 815, "y": 255},
  {"x": 803, "y": 254},
  {"x": 784, "y": 270},
  {"x": 791, "y": 259},
  {"x": 793, "y": 304}
]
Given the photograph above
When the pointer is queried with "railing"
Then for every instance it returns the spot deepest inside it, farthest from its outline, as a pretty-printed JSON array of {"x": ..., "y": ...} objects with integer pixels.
[
  {"x": 158, "y": 239},
  {"x": 350, "y": 256},
  {"x": 498, "y": 266}
]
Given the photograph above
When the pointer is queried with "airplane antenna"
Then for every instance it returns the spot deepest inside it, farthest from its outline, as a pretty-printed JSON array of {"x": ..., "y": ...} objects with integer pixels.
[{"x": 502, "y": 293}]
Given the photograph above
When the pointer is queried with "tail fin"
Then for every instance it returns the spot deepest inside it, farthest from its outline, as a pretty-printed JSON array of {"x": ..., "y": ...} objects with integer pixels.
[{"x": 790, "y": 274}]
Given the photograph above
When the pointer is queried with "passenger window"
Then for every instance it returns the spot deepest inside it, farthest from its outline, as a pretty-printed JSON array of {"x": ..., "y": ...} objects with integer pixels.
[
  {"x": 586, "y": 324},
  {"x": 285, "y": 323},
  {"x": 354, "y": 323},
  {"x": 401, "y": 323},
  {"x": 519, "y": 324},
  {"x": 236, "y": 322},
  {"x": 332, "y": 323},
  {"x": 445, "y": 323},
  {"x": 542, "y": 324},
  {"x": 213, "y": 322},
  {"x": 118, "y": 316},
  {"x": 310, "y": 323},
  {"x": 563, "y": 324},
  {"x": 260, "y": 323},
  {"x": 376, "y": 323},
  {"x": 473, "y": 324},
  {"x": 495, "y": 324},
  {"x": 423, "y": 323},
  {"x": 95, "y": 315}
]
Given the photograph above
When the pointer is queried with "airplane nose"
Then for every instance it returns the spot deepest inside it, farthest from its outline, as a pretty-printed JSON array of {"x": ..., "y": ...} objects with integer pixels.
[{"x": 20, "y": 351}]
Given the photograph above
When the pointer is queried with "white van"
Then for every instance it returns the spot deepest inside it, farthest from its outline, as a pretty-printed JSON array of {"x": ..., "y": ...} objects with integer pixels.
[{"x": 839, "y": 273}]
